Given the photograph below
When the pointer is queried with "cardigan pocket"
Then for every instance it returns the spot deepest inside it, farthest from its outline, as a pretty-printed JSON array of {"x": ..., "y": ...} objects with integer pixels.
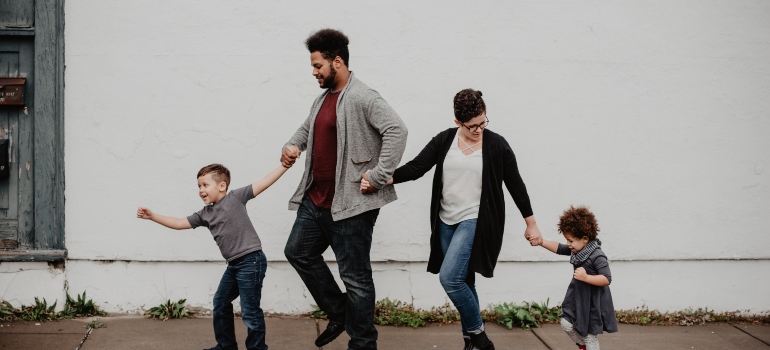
[
  {"x": 359, "y": 161},
  {"x": 359, "y": 168}
]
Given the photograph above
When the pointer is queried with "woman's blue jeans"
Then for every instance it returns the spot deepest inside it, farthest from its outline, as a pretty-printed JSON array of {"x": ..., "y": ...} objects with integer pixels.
[
  {"x": 244, "y": 276},
  {"x": 459, "y": 285}
]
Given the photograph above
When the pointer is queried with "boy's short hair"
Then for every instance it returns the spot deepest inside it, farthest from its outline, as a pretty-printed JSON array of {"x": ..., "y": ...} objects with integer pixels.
[
  {"x": 218, "y": 172},
  {"x": 330, "y": 43},
  {"x": 579, "y": 222},
  {"x": 468, "y": 104}
]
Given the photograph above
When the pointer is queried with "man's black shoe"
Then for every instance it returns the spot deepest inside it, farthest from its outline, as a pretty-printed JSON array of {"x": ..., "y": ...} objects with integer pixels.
[{"x": 333, "y": 330}]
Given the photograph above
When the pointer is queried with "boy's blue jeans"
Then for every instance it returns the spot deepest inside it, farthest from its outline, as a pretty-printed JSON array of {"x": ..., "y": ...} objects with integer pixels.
[
  {"x": 244, "y": 277},
  {"x": 459, "y": 285},
  {"x": 351, "y": 240}
]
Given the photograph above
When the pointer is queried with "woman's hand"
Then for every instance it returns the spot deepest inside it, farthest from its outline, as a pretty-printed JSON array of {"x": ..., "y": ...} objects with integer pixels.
[
  {"x": 532, "y": 233},
  {"x": 366, "y": 186}
]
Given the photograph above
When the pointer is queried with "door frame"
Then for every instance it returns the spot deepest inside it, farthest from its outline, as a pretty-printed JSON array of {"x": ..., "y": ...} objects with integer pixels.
[{"x": 48, "y": 124}]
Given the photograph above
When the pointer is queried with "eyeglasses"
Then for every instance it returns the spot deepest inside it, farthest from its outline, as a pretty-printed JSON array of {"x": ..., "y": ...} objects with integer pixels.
[{"x": 474, "y": 128}]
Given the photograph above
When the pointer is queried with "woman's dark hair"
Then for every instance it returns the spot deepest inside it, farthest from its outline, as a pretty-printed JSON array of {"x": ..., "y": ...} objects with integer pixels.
[
  {"x": 468, "y": 105},
  {"x": 330, "y": 43},
  {"x": 579, "y": 222}
]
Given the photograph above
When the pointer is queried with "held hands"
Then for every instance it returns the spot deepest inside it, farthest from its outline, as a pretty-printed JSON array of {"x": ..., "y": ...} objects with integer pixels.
[
  {"x": 289, "y": 156},
  {"x": 580, "y": 274},
  {"x": 533, "y": 235},
  {"x": 366, "y": 186},
  {"x": 144, "y": 213}
]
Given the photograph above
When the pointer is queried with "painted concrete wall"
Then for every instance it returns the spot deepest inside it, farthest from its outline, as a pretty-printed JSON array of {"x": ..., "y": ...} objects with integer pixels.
[
  {"x": 655, "y": 114},
  {"x": 130, "y": 287}
]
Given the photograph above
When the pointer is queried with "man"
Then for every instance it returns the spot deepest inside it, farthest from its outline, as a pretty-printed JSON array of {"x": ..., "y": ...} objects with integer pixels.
[{"x": 350, "y": 130}]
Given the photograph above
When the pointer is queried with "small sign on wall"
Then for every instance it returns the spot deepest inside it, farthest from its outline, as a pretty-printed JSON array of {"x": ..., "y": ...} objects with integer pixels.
[{"x": 12, "y": 91}]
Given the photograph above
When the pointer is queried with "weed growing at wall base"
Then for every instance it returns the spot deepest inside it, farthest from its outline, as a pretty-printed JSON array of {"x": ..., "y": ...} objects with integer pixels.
[
  {"x": 532, "y": 314},
  {"x": 525, "y": 316},
  {"x": 688, "y": 317},
  {"x": 170, "y": 310},
  {"x": 397, "y": 313},
  {"x": 82, "y": 307},
  {"x": 41, "y": 311}
]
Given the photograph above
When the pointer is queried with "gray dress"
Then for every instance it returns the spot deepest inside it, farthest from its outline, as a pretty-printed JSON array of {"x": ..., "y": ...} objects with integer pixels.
[{"x": 589, "y": 308}]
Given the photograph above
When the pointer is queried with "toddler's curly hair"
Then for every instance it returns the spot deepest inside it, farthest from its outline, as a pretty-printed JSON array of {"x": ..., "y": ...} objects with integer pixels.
[{"x": 579, "y": 222}]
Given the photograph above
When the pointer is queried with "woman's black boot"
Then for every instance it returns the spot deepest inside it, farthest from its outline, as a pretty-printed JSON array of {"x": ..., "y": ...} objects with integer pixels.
[{"x": 481, "y": 341}]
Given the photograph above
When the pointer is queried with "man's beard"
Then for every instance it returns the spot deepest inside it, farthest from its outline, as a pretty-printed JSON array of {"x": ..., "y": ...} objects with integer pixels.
[{"x": 329, "y": 81}]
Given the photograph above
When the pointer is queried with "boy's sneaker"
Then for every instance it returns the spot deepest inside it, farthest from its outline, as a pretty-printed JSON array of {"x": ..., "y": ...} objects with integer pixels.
[
  {"x": 481, "y": 341},
  {"x": 332, "y": 331}
]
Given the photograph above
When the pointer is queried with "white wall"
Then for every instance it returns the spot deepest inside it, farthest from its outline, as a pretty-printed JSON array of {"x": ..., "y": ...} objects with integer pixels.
[
  {"x": 655, "y": 114},
  {"x": 131, "y": 287}
]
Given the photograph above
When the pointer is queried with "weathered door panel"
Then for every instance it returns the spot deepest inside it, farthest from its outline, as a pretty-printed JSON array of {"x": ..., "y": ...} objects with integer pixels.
[
  {"x": 17, "y": 14},
  {"x": 16, "y": 190}
]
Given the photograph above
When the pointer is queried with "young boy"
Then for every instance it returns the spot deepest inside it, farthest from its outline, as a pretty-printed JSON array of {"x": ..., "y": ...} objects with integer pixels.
[{"x": 226, "y": 217}]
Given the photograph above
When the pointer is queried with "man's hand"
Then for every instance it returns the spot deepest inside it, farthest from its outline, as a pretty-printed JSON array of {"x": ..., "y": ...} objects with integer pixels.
[
  {"x": 144, "y": 213},
  {"x": 289, "y": 156},
  {"x": 366, "y": 186},
  {"x": 580, "y": 274},
  {"x": 533, "y": 235}
]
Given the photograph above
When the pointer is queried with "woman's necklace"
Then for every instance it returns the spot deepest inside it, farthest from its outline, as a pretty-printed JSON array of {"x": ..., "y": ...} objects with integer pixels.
[{"x": 469, "y": 147}]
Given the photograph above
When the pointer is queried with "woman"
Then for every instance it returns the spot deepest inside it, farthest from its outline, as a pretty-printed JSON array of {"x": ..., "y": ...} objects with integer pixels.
[{"x": 467, "y": 212}]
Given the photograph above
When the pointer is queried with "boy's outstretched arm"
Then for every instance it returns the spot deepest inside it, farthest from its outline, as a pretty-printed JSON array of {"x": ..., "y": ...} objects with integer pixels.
[
  {"x": 268, "y": 180},
  {"x": 168, "y": 221}
]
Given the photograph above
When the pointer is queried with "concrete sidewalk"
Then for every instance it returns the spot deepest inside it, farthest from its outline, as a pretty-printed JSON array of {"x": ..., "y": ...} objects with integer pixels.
[{"x": 134, "y": 332}]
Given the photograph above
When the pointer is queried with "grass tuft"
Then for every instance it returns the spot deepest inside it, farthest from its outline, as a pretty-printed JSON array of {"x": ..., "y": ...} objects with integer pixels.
[
  {"x": 687, "y": 317},
  {"x": 170, "y": 310},
  {"x": 42, "y": 312}
]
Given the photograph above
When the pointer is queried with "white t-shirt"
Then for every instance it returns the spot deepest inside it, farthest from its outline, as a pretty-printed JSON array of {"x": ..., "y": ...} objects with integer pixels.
[{"x": 461, "y": 193}]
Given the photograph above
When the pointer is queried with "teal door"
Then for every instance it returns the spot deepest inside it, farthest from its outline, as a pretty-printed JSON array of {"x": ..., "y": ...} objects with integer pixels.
[{"x": 16, "y": 130}]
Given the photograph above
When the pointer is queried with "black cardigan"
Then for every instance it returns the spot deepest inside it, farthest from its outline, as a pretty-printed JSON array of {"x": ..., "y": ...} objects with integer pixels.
[{"x": 499, "y": 165}]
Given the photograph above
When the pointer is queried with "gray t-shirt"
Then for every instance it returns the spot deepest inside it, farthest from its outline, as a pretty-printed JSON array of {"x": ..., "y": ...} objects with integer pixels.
[{"x": 229, "y": 223}]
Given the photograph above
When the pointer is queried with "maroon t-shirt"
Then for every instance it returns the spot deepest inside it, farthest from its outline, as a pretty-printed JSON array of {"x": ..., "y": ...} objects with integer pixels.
[{"x": 321, "y": 192}]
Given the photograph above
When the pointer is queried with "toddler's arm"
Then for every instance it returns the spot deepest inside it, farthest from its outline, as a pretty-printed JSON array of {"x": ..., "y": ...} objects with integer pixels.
[
  {"x": 268, "y": 180},
  {"x": 556, "y": 247},
  {"x": 596, "y": 280},
  {"x": 168, "y": 221},
  {"x": 550, "y": 245}
]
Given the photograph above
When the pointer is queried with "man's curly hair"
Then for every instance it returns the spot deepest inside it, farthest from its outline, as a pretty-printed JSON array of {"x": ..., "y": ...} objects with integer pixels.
[
  {"x": 579, "y": 222},
  {"x": 330, "y": 43},
  {"x": 468, "y": 105},
  {"x": 218, "y": 173}
]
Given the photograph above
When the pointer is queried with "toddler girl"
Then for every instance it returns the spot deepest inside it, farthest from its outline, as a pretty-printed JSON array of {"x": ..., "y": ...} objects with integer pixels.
[{"x": 587, "y": 308}]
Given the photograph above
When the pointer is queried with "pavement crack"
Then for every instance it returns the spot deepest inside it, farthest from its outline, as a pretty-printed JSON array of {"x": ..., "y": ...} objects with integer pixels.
[
  {"x": 88, "y": 332},
  {"x": 749, "y": 334},
  {"x": 541, "y": 340},
  {"x": 318, "y": 332}
]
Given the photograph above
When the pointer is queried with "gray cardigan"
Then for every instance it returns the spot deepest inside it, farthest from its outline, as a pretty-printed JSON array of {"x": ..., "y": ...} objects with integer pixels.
[{"x": 370, "y": 136}]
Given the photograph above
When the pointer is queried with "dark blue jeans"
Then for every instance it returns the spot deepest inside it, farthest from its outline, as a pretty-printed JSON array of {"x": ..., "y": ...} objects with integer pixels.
[
  {"x": 351, "y": 240},
  {"x": 244, "y": 277},
  {"x": 459, "y": 285}
]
